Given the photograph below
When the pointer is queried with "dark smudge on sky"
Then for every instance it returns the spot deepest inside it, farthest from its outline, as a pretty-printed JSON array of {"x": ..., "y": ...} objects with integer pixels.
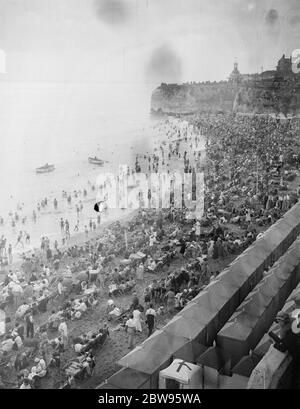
[
  {"x": 272, "y": 17},
  {"x": 295, "y": 20},
  {"x": 164, "y": 66},
  {"x": 113, "y": 11}
]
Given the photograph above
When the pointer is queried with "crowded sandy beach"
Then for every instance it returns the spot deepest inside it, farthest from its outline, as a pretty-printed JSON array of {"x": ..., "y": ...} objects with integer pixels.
[{"x": 73, "y": 307}]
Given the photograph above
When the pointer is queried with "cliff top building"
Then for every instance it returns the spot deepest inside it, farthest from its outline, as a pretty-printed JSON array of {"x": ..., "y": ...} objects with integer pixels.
[
  {"x": 270, "y": 91},
  {"x": 235, "y": 77},
  {"x": 283, "y": 71},
  {"x": 284, "y": 67}
]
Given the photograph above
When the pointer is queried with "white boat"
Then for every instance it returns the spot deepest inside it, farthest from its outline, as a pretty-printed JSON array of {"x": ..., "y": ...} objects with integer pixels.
[
  {"x": 96, "y": 161},
  {"x": 45, "y": 169}
]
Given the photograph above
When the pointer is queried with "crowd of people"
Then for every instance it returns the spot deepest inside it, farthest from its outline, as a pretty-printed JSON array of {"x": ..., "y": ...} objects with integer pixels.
[
  {"x": 138, "y": 274},
  {"x": 71, "y": 202}
]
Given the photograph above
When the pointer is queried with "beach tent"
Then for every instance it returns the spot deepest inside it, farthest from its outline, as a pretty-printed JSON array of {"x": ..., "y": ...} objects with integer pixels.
[
  {"x": 231, "y": 339},
  {"x": 240, "y": 334},
  {"x": 213, "y": 363},
  {"x": 263, "y": 346},
  {"x": 218, "y": 297},
  {"x": 211, "y": 308},
  {"x": 191, "y": 330},
  {"x": 190, "y": 351},
  {"x": 200, "y": 315},
  {"x": 207, "y": 297},
  {"x": 94, "y": 275},
  {"x": 236, "y": 279},
  {"x": 241, "y": 274},
  {"x": 181, "y": 375},
  {"x": 265, "y": 342},
  {"x": 107, "y": 385},
  {"x": 254, "y": 316},
  {"x": 154, "y": 353},
  {"x": 185, "y": 327},
  {"x": 252, "y": 307},
  {"x": 198, "y": 312},
  {"x": 245, "y": 366},
  {"x": 244, "y": 272},
  {"x": 127, "y": 378}
]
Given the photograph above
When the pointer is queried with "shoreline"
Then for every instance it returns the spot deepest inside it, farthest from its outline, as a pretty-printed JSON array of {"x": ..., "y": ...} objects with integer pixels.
[{"x": 77, "y": 238}]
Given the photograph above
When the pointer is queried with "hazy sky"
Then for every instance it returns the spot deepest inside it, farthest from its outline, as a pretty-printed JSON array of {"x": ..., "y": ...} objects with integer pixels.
[{"x": 141, "y": 41}]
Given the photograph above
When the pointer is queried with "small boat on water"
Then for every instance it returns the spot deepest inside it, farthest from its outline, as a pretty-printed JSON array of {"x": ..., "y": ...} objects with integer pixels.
[
  {"x": 96, "y": 161},
  {"x": 45, "y": 169}
]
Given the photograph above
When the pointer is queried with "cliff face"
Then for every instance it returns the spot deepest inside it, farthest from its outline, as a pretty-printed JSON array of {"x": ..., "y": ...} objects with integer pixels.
[
  {"x": 191, "y": 98},
  {"x": 269, "y": 97},
  {"x": 266, "y": 96}
]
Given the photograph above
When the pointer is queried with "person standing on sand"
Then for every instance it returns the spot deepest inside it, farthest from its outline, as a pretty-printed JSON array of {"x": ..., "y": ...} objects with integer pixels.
[
  {"x": 137, "y": 319},
  {"x": 10, "y": 256},
  {"x": 130, "y": 329},
  {"x": 29, "y": 326},
  {"x": 27, "y": 238},
  {"x": 19, "y": 239},
  {"x": 86, "y": 230},
  {"x": 140, "y": 272},
  {"x": 76, "y": 228},
  {"x": 150, "y": 319},
  {"x": 63, "y": 330},
  {"x": 60, "y": 289},
  {"x": 170, "y": 301}
]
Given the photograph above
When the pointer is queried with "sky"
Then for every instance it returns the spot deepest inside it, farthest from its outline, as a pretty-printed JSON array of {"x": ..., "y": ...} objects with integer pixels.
[
  {"x": 76, "y": 69},
  {"x": 143, "y": 42}
]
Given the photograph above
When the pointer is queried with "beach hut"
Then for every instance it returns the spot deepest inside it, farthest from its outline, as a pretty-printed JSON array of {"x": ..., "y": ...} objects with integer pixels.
[
  {"x": 211, "y": 309},
  {"x": 182, "y": 327},
  {"x": 255, "y": 315},
  {"x": 186, "y": 328},
  {"x": 201, "y": 315},
  {"x": 180, "y": 375},
  {"x": 127, "y": 378},
  {"x": 154, "y": 354},
  {"x": 213, "y": 363}
]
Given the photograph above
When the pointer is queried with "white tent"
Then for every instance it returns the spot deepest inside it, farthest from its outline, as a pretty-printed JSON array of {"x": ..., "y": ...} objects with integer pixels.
[{"x": 180, "y": 375}]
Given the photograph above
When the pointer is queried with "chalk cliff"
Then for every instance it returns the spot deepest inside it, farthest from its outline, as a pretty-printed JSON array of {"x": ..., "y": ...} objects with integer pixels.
[
  {"x": 191, "y": 98},
  {"x": 274, "y": 91}
]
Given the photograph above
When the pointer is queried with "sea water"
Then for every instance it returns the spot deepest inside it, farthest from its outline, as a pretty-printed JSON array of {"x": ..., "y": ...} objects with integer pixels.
[{"x": 63, "y": 124}]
